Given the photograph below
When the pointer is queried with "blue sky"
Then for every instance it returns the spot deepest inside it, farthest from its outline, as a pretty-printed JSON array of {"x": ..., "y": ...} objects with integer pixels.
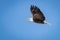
[{"x": 14, "y": 26}]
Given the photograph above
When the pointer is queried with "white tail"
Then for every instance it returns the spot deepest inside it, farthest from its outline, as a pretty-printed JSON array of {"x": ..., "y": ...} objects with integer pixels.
[{"x": 49, "y": 24}]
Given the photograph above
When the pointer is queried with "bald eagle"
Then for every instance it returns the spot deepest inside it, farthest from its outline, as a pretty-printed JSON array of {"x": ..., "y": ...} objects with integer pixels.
[{"x": 38, "y": 16}]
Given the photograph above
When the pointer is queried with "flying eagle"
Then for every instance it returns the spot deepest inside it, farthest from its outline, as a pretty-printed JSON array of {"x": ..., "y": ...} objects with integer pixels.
[{"x": 38, "y": 16}]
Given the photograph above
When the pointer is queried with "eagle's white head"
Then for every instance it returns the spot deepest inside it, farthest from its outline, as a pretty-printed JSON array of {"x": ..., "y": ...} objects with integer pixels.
[{"x": 31, "y": 19}]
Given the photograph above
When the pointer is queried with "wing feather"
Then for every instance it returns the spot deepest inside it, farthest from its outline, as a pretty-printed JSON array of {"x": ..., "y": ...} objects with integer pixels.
[{"x": 37, "y": 13}]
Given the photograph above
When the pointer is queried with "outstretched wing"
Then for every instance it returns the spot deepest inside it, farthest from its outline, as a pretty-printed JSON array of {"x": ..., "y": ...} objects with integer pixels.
[{"x": 37, "y": 14}]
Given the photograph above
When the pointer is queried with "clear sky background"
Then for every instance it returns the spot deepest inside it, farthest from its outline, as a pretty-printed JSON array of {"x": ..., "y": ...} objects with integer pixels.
[{"x": 14, "y": 26}]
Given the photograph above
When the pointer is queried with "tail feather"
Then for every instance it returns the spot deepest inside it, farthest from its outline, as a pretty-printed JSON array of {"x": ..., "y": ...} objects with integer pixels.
[{"x": 49, "y": 24}]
